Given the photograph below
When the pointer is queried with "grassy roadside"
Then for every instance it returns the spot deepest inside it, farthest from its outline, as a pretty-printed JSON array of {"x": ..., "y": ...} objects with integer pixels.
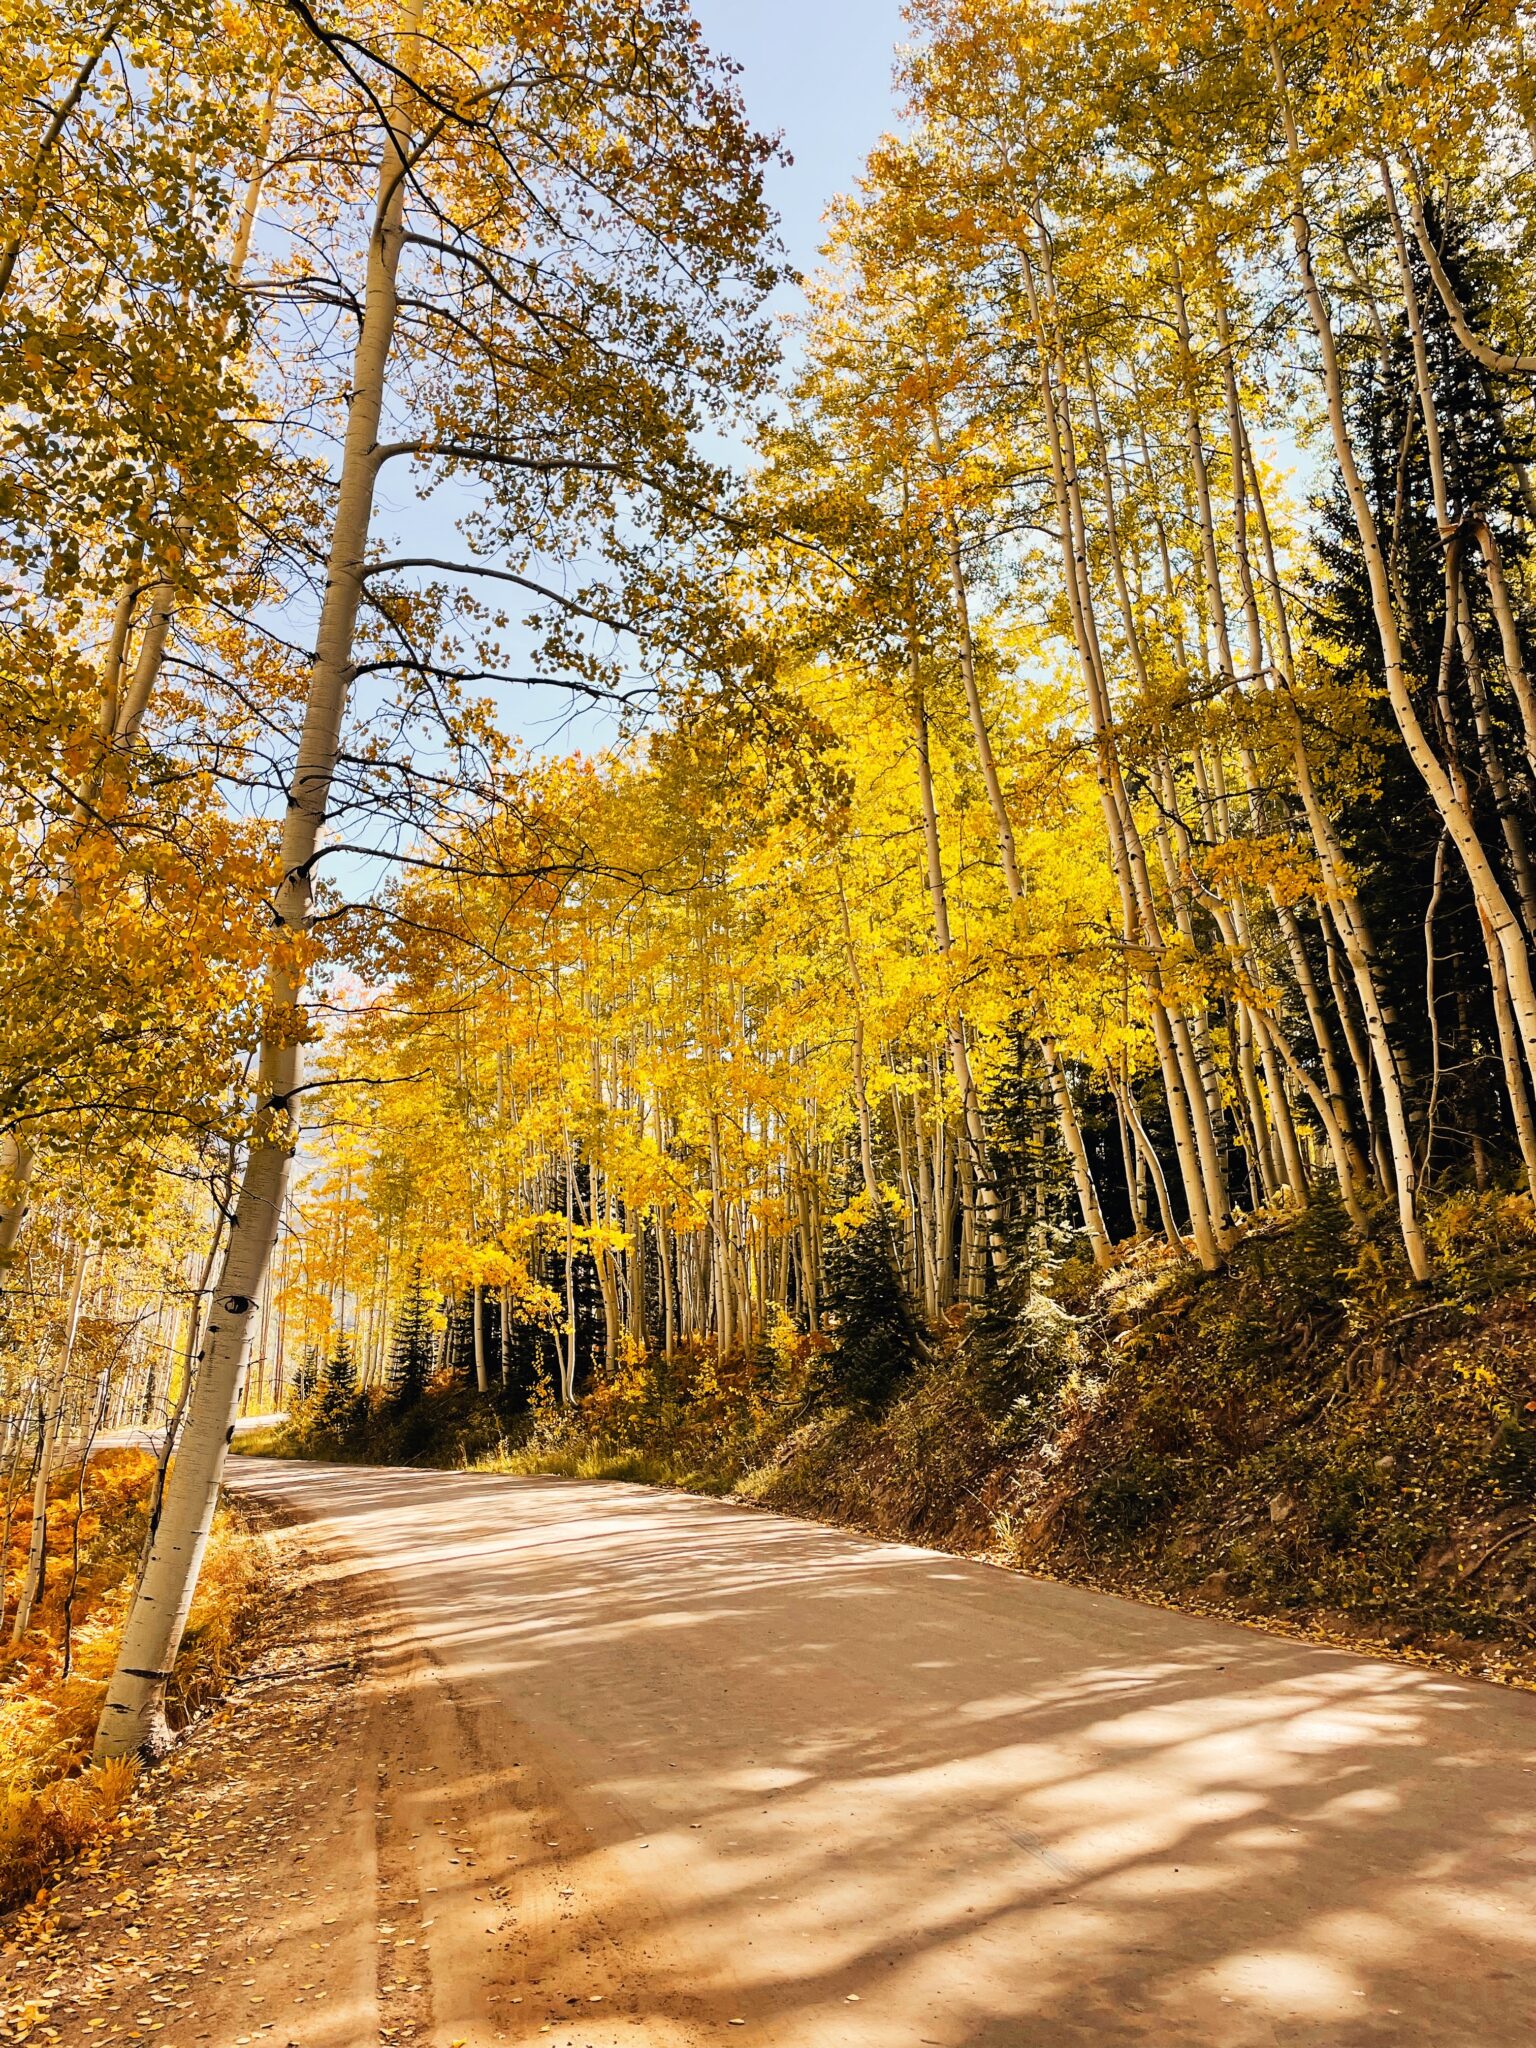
[
  {"x": 1306, "y": 1441},
  {"x": 53, "y": 1803}
]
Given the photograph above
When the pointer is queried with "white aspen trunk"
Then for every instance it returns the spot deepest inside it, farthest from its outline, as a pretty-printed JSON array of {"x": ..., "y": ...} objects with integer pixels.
[
  {"x": 1514, "y": 1078},
  {"x": 809, "y": 1265},
  {"x": 1450, "y": 531},
  {"x": 912, "y": 1239},
  {"x": 608, "y": 1277},
  {"x": 1500, "y": 361},
  {"x": 923, "y": 1226},
  {"x": 725, "y": 1320},
  {"x": 1210, "y": 1212},
  {"x": 1286, "y": 1137},
  {"x": 1493, "y": 761},
  {"x": 982, "y": 1189},
  {"x": 1132, "y": 1172},
  {"x": 1077, "y": 1153},
  {"x": 32, "y": 1571},
  {"x": 1322, "y": 1037},
  {"x": 477, "y": 1310},
  {"x": 1331, "y": 1126},
  {"x": 946, "y": 1179},
  {"x": 132, "y": 1717},
  {"x": 668, "y": 1289},
  {"x": 1239, "y": 457},
  {"x": 16, "y": 1162},
  {"x": 1349, "y": 922},
  {"x": 568, "y": 1349},
  {"x": 1258, "y": 1134},
  {"x": 32, "y": 1575},
  {"x": 860, "y": 1080},
  {"x": 1509, "y": 636},
  {"x": 1148, "y": 1153},
  {"x": 17, "y": 1425}
]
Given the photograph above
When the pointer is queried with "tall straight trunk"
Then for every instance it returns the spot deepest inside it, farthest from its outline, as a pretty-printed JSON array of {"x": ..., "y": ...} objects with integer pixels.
[
  {"x": 18, "y": 1425},
  {"x": 16, "y": 1162},
  {"x": 1347, "y": 1159},
  {"x": 1013, "y": 881},
  {"x": 912, "y": 1235},
  {"x": 860, "y": 1079},
  {"x": 926, "y": 1271},
  {"x": 132, "y": 1716},
  {"x": 1504, "y": 804},
  {"x": 668, "y": 1289},
  {"x": 477, "y": 1310},
  {"x": 1450, "y": 529},
  {"x": 981, "y": 1188},
  {"x": 1132, "y": 1172},
  {"x": 810, "y": 1264},
  {"x": 725, "y": 1319},
  {"x": 568, "y": 1349}
]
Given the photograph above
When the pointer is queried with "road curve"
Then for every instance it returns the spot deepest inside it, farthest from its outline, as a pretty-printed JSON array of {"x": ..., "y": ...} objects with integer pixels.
[{"x": 833, "y": 1793}]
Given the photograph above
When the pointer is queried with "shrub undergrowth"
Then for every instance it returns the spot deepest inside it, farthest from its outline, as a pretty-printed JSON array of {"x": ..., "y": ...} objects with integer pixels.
[{"x": 53, "y": 1801}]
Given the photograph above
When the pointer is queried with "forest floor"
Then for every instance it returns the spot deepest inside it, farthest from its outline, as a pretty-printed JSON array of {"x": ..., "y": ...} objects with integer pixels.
[
  {"x": 225, "y": 1911},
  {"x": 593, "y": 1765}
]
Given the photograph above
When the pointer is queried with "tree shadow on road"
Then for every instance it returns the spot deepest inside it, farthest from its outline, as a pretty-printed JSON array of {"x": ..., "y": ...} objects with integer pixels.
[{"x": 889, "y": 1797}]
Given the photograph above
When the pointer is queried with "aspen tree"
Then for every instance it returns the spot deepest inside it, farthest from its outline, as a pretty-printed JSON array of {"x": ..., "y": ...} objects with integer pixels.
[{"x": 421, "y": 129}]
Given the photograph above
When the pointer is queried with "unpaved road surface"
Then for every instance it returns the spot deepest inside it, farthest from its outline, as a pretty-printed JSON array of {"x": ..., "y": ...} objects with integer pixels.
[{"x": 647, "y": 1768}]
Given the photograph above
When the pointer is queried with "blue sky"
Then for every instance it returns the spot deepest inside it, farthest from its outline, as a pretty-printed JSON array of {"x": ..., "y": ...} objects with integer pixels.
[{"x": 819, "y": 72}]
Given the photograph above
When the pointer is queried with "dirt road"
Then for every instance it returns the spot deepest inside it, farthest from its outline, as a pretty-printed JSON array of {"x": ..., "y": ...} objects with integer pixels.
[{"x": 661, "y": 1770}]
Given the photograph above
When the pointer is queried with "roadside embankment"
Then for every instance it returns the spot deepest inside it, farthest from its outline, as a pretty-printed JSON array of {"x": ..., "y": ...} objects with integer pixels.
[{"x": 1306, "y": 1440}]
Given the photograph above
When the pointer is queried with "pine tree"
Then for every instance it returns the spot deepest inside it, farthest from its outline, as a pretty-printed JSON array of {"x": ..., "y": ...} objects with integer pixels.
[
  {"x": 410, "y": 1356},
  {"x": 876, "y": 1339},
  {"x": 338, "y": 1391}
]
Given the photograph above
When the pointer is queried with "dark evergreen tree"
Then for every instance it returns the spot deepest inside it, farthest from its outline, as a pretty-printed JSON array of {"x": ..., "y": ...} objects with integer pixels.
[
  {"x": 338, "y": 1387},
  {"x": 412, "y": 1347},
  {"x": 1390, "y": 827},
  {"x": 877, "y": 1339}
]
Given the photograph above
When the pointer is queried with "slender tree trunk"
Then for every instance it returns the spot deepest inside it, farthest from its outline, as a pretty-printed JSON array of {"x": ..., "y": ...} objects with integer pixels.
[
  {"x": 982, "y": 1188},
  {"x": 29, "y": 196},
  {"x": 132, "y": 1717},
  {"x": 37, "y": 1546},
  {"x": 16, "y": 1162},
  {"x": 477, "y": 1310}
]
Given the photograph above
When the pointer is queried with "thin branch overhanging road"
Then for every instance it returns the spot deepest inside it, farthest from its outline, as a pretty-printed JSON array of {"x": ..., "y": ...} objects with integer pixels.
[{"x": 762, "y": 1780}]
